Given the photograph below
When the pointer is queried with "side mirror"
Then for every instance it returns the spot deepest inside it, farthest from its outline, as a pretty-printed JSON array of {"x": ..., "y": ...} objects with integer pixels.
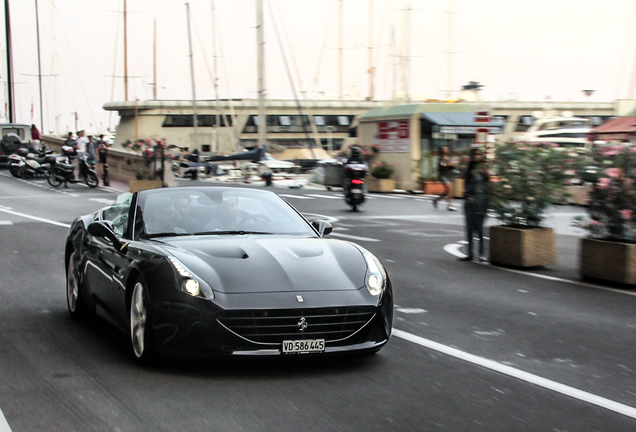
[
  {"x": 104, "y": 229},
  {"x": 323, "y": 227}
]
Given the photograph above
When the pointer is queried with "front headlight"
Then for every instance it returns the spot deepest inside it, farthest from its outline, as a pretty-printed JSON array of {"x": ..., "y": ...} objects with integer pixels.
[
  {"x": 189, "y": 282},
  {"x": 375, "y": 278}
]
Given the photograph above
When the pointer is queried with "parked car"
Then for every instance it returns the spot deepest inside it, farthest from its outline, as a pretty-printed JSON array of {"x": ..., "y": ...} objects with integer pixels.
[{"x": 215, "y": 271}]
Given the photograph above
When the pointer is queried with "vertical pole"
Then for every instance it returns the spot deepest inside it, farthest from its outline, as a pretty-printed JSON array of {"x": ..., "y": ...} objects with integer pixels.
[
  {"x": 449, "y": 54},
  {"x": 340, "y": 63},
  {"x": 154, "y": 62},
  {"x": 217, "y": 140},
  {"x": 125, "y": 53},
  {"x": 37, "y": 26},
  {"x": 195, "y": 143},
  {"x": 260, "y": 38},
  {"x": 10, "y": 95},
  {"x": 371, "y": 50}
]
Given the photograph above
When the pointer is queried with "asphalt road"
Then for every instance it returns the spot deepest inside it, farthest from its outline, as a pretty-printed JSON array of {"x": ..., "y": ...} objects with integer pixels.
[{"x": 476, "y": 348}]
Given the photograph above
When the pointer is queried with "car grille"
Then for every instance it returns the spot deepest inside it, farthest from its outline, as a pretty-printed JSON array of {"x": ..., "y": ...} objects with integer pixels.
[{"x": 274, "y": 326}]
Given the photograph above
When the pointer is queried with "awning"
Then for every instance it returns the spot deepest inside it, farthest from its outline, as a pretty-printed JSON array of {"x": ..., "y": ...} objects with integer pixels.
[
  {"x": 620, "y": 124},
  {"x": 461, "y": 123}
]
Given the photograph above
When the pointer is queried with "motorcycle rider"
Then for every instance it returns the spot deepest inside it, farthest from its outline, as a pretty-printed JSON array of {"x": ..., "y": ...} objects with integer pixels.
[{"x": 355, "y": 158}]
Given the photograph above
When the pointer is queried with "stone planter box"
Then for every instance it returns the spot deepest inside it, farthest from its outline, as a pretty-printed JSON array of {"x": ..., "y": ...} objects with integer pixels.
[
  {"x": 137, "y": 185},
  {"x": 458, "y": 188},
  {"x": 522, "y": 247},
  {"x": 380, "y": 185},
  {"x": 607, "y": 260},
  {"x": 432, "y": 187}
]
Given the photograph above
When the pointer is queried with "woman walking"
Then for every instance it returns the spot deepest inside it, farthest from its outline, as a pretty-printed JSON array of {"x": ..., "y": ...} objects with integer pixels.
[
  {"x": 444, "y": 171},
  {"x": 476, "y": 181}
]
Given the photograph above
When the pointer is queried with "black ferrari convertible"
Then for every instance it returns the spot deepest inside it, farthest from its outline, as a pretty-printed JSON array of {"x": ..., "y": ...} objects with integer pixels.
[{"x": 213, "y": 271}]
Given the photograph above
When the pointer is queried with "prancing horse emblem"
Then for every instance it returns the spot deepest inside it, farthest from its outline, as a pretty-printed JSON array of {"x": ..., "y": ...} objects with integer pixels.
[{"x": 302, "y": 324}]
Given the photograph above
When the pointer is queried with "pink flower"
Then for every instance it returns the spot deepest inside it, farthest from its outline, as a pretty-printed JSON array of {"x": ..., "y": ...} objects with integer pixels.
[
  {"x": 592, "y": 223},
  {"x": 626, "y": 214},
  {"x": 611, "y": 153},
  {"x": 613, "y": 172},
  {"x": 603, "y": 183}
]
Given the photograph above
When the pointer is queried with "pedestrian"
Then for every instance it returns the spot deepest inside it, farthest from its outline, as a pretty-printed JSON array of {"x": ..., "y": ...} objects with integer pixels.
[
  {"x": 91, "y": 152},
  {"x": 102, "y": 151},
  {"x": 476, "y": 179},
  {"x": 445, "y": 169},
  {"x": 81, "y": 144},
  {"x": 35, "y": 137},
  {"x": 71, "y": 144}
]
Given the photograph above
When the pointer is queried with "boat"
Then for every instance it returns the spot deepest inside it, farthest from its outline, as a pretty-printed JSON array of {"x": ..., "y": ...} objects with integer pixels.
[{"x": 564, "y": 131}]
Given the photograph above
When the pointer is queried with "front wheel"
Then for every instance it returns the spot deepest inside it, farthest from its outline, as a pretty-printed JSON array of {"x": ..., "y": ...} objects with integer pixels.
[
  {"x": 140, "y": 326},
  {"x": 54, "y": 180},
  {"x": 91, "y": 180},
  {"x": 74, "y": 296},
  {"x": 14, "y": 169}
]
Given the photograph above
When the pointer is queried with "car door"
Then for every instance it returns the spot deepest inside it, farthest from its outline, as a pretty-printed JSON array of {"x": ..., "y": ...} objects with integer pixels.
[{"x": 106, "y": 263}]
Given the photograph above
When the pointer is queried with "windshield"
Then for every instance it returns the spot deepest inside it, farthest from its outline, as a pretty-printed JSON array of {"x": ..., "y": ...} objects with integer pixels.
[{"x": 215, "y": 211}]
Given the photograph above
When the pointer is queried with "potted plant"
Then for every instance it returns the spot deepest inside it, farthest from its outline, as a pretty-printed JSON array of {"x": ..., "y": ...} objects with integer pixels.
[
  {"x": 531, "y": 179},
  {"x": 609, "y": 252},
  {"x": 380, "y": 180}
]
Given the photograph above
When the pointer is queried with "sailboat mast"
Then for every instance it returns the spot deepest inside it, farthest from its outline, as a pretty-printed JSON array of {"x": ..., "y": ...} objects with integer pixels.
[
  {"x": 217, "y": 122},
  {"x": 125, "y": 53},
  {"x": 371, "y": 50},
  {"x": 154, "y": 61},
  {"x": 340, "y": 62},
  {"x": 37, "y": 27},
  {"x": 194, "y": 93},
  {"x": 260, "y": 40},
  {"x": 10, "y": 96}
]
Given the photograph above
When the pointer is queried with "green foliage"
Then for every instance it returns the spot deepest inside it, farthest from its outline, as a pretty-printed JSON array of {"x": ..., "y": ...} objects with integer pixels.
[
  {"x": 531, "y": 179},
  {"x": 382, "y": 170},
  {"x": 612, "y": 201}
]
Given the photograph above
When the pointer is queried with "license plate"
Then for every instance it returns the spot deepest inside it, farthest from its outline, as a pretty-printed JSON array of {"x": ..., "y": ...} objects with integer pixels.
[{"x": 305, "y": 346}]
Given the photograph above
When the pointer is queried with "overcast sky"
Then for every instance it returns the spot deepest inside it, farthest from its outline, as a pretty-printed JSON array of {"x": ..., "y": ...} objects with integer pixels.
[{"x": 528, "y": 50}]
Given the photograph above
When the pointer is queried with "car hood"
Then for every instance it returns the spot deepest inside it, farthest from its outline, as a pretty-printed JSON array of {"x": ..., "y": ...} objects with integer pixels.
[{"x": 255, "y": 264}]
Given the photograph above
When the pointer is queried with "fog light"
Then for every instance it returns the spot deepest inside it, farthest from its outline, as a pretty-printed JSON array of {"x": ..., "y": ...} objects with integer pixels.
[{"x": 191, "y": 286}]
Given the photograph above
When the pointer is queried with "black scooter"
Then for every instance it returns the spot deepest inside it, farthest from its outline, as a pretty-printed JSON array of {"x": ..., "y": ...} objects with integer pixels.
[
  {"x": 354, "y": 187},
  {"x": 63, "y": 173}
]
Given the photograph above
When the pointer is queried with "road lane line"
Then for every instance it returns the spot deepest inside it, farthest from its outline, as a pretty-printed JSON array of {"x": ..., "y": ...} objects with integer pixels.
[
  {"x": 296, "y": 196},
  {"x": 566, "y": 390},
  {"x": 4, "y": 222},
  {"x": 347, "y": 236},
  {"x": 453, "y": 249},
  {"x": 4, "y": 426},
  {"x": 52, "y": 222},
  {"x": 325, "y": 196}
]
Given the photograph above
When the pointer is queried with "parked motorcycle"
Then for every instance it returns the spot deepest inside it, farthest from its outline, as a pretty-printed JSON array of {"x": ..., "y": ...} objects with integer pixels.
[
  {"x": 354, "y": 187},
  {"x": 31, "y": 164},
  {"x": 63, "y": 173}
]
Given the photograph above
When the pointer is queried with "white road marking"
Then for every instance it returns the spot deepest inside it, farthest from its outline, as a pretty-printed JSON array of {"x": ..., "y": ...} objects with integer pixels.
[
  {"x": 4, "y": 426},
  {"x": 296, "y": 196},
  {"x": 102, "y": 200},
  {"x": 52, "y": 222},
  {"x": 410, "y": 310},
  {"x": 325, "y": 196},
  {"x": 453, "y": 249},
  {"x": 521, "y": 375},
  {"x": 347, "y": 236},
  {"x": 6, "y": 222}
]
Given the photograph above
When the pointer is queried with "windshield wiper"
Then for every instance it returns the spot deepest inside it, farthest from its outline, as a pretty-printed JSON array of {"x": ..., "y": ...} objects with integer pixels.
[
  {"x": 230, "y": 232},
  {"x": 164, "y": 234}
]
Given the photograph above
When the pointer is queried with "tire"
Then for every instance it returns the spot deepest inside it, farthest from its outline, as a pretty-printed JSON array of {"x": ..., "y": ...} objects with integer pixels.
[
  {"x": 92, "y": 180},
  {"x": 141, "y": 326},
  {"x": 54, "y": 180},
  {"x": 354, "y": 207},
  {"x": 74, "y": 294},
  {"x": 26, "y": 173},
  {"x": 14, "y": 169}
]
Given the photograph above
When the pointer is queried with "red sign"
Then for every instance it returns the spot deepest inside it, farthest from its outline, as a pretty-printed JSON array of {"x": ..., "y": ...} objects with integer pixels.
[{"x": 393, "y": 137}]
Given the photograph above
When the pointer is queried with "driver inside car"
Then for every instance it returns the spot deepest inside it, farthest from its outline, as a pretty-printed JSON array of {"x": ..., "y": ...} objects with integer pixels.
[{"x": 161, "y": 217}]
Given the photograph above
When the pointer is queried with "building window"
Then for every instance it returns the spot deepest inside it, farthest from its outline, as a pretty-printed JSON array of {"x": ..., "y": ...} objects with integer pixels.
[
  {"x": 205, "y": 148},
  {"x": 319, "y": 120},
  {"x": 525, "y": 121},
  {"x": 202, "y": 121},
  {"x": 343, "y": 121},
  {"x": 284, "y": 120}
]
